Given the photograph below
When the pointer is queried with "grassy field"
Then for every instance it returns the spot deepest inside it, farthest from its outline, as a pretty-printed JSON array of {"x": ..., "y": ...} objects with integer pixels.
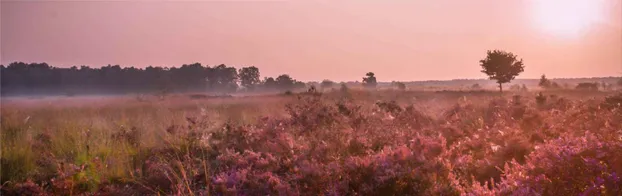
[{"x": 338, "y": 143}]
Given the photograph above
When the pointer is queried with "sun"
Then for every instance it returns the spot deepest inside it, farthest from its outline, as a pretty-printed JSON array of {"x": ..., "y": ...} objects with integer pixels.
[{"x": 566, "y": 18}]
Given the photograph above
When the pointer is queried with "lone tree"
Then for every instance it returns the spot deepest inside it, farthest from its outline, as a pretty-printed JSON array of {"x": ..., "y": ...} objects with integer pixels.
[
  {"x": 370, "y": 80},
  {"x": 544, "y": 82},
  {"x": 501, "y": 66}
]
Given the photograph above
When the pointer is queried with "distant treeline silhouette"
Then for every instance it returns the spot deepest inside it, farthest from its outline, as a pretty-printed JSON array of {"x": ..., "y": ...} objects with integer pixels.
[{"x": 20, "y": 78}]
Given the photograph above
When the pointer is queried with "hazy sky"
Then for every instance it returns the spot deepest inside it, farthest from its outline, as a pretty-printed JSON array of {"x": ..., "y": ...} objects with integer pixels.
[{"x": 339, "y": 40}]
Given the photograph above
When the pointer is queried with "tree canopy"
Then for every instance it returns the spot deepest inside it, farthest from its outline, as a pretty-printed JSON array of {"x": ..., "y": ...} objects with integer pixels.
[
  {"x": 249, "y": 77},
  {"x": 501, "y": 66},
  {"x": 370, "y": 80}
]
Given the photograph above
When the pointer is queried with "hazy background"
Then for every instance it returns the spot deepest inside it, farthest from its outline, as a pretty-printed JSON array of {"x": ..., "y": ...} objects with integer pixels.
[{"x": 414, "y": 40}]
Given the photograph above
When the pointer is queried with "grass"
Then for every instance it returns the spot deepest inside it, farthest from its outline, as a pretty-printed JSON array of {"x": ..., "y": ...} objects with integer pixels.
[{"x": 355, "y": 142}]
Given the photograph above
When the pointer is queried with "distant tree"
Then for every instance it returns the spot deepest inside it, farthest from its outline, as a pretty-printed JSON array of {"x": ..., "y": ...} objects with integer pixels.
[
  {"x": 370, "y": 80},
  {"x": 620, "y": 82},
  {"x": 285, "y": 82},
  {"x": 19, "y": 78},
  {"x": 515, "y": 87},
  {"x": 313, "y": 83},
  {"x": 159, "y": 79},
  {"x": 501, "y": 66},
  {"x": 189, "y": 77},
  {"x": 249, "y": 77},
  {"x": 400, "y": 85},
  {"x": 299, "y": 85},
  {"x": 223, "y": 79},
  {"x": 269, "y": 83},
  {"x": 327, "y": 84},
  {"x": 544, "y": 82}
]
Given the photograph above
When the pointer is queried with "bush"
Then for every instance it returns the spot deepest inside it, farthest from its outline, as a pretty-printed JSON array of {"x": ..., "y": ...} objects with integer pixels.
[{"x": 568, "y": 166}]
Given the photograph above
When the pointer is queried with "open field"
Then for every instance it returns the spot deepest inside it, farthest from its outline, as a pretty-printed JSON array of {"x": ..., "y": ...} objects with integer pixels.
[{"x": 339, "y": 143}]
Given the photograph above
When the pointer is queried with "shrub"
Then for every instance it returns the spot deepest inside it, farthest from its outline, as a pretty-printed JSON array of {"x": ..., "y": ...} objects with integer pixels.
[{"x": 570, "y": 166}]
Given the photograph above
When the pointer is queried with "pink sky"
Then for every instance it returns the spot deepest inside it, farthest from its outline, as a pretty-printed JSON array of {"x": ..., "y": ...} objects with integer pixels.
[{"x": 338, "y": 40}]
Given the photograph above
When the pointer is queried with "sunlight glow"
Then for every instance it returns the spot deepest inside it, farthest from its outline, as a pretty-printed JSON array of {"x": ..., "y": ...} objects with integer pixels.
[{"x": 566, "y": 18}]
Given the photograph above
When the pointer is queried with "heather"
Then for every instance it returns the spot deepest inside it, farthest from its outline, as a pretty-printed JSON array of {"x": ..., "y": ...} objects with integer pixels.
[{"x": 346, "y": 142}]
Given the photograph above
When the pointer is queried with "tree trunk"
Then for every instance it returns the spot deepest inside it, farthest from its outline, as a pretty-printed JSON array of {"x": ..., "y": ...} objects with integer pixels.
[{"x": 500, "y": 88}]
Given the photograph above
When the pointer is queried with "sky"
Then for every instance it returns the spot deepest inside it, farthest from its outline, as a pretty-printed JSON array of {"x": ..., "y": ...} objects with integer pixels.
[{"x": 315, "y": 40}]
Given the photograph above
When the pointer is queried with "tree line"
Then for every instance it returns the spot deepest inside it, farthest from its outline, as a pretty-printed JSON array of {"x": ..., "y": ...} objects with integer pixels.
[{"x": 41, "y": 78}]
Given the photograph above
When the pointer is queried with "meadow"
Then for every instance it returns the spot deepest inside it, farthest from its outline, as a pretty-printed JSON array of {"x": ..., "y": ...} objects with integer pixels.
[{"x": 343, "y": 142}]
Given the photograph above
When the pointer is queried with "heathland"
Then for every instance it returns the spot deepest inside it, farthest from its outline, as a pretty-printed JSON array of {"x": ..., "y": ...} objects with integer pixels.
[{"x": 336, "y": 142}]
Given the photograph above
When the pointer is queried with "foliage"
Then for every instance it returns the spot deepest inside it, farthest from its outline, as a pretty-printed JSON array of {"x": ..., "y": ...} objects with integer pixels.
[
  {"x": 374, "y": 143},
  {"x": 20, "y": 78},
  {"x": 285, "y": 82},
  {"x": 222, "y": 79},
  {"x": 249, "y": 77},
  {"x": 327, "y": 84},
  {"x": 370, "y": 80},
  {"x": 270, "y": 83},
  {"x": 547, "y": 84},
  {"x": 501, "y": 66},
  {"x": 544, "y": 82}
]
